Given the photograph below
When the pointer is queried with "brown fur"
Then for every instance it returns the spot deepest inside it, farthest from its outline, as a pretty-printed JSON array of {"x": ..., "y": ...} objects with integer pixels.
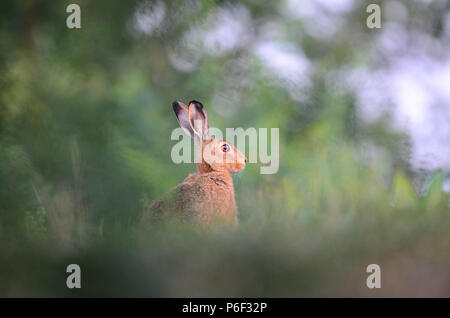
[{"x": 208, "y": 195}]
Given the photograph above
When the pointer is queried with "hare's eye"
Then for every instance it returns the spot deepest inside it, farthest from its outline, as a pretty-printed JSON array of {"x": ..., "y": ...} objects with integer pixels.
[{"x": 225, "y": 148}]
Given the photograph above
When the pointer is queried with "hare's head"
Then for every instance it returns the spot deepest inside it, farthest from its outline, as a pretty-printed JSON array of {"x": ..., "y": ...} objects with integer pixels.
[{"x": 216, "y": 154}]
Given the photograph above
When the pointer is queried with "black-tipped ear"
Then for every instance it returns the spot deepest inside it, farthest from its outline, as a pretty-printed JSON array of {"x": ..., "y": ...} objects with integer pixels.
[
  {"x": 196, "y": 103},
  {"x": 176, "y": 107},
  {"x": 198, "y": 119},
  {"x": 182, "y": 113}
]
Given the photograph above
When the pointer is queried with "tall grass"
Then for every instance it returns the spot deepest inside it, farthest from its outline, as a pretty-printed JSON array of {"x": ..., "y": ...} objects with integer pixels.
[{"x": 316, "y": 241}]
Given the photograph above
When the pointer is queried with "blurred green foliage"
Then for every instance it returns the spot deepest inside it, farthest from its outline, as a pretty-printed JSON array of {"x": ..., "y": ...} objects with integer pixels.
[{"x": 85, "y": 124}]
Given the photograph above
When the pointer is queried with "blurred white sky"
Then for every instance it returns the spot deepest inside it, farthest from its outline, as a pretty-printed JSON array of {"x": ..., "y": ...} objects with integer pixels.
[{"x": 413, "y": 83}]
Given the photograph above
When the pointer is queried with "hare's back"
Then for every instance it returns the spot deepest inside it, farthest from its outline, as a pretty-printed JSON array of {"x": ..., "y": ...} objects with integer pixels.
[{"x": 202, "y": 196}]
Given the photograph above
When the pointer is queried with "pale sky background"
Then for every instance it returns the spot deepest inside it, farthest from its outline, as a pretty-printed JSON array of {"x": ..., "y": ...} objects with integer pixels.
[{"x": 412, "y": 84}]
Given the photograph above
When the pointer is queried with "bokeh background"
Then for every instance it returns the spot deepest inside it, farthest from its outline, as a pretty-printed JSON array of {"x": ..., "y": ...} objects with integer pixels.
[{"x": 364, "y": 119}]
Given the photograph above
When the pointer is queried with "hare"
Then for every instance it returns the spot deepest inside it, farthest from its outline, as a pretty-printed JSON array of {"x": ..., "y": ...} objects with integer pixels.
[{"x": 208, "y": 195}]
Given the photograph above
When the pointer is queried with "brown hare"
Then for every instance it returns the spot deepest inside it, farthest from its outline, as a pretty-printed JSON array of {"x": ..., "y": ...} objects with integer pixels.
[{"x": 207, "y": 196}]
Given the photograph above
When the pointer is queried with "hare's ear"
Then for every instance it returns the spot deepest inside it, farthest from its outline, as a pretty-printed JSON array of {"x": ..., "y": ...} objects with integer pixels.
[
  {"x": 198, "y": 119},
  {"x": 182, "y": 113}
]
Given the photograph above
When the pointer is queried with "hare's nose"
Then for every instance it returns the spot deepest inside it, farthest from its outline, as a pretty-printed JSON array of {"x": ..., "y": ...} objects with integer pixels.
[{"x": 245, "y": 160}]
